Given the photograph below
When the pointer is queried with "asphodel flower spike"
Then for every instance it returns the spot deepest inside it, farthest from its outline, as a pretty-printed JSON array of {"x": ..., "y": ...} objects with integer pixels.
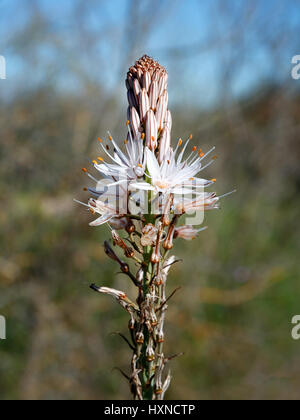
[{"x": 146, "y": 186}]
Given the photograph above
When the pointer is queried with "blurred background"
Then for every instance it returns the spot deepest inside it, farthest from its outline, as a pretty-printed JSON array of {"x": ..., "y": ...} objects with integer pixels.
[{"x": 230, "y": 84}]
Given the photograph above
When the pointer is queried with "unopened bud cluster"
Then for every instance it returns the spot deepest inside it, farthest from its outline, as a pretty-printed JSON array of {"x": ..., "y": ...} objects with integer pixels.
[{"x": 148, "y": 113}]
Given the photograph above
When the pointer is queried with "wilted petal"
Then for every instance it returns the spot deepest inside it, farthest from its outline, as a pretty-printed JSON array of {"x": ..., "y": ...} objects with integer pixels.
[
  {"x": 187, "y": 232},
  {"x": 101, "y": 220},
  {"x": 149, "y": 235},
  {"x": 108, "y": 291}
]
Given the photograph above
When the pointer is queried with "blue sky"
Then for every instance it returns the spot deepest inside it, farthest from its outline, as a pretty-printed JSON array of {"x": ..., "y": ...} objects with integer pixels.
[{"x": 190, "y": 37}]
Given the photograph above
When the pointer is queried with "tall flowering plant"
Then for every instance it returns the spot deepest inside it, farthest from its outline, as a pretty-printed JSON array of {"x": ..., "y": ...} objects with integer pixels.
[{"x": 146, "y": 188}]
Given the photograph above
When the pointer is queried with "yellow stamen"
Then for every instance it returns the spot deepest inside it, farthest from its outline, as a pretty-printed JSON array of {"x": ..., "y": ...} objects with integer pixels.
[
  {"x": 99, "y": 140},
  {"x": 139, "y": 165},
  {"x": 143, "y": 136},
  {"x": 100, "y": 159},
  {"x": 92, "y": 211},
  {"x": 194, "y": 148},
  {"x": 213, "y": 180},
  {"x": 180, "y": 142},
  {"x": 127, "y": 123},
  {"x": 191, "y": 136},
  {"x": 125, "y": 141},
  {"x": 215, "y": 157},
  {"x": 192, "y": 179},
  {"x": 110, "y": 138},
  {"x": 84, "y": 170},
  {"x": 95, "y": 162}
]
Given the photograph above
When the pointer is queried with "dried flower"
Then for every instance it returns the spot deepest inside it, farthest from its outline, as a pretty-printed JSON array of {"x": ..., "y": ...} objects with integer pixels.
[
  {"x": 187, "y": 232},
  {"x": 113, "y": 292},
  {"x": 149, "y": 235}
]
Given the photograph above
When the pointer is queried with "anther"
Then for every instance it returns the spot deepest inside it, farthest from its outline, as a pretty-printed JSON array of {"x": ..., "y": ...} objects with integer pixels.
[{"x": 84, "y": 170}]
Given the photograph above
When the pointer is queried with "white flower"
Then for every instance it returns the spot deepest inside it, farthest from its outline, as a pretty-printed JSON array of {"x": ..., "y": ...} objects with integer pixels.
[
  {"x": 174, "y": 175},
  {"x": 127, "y": 166},
  {"x": 112, "y": 192},
  {"x": 108, "y": 211}
]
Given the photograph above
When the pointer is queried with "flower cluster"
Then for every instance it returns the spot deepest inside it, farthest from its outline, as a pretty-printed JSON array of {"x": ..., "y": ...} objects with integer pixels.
[
  {"x": 145, "y": 188},
  {"x": 148, "y": 163}
]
